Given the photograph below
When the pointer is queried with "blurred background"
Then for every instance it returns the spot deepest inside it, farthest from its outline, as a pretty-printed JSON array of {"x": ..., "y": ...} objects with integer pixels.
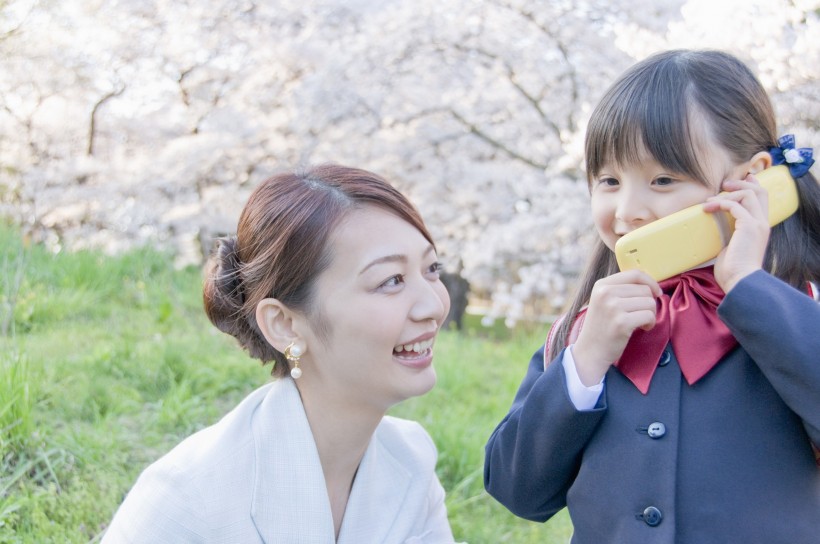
[
  {"x": 132, "y": 122},
  {"x": 132, "y": 132}
]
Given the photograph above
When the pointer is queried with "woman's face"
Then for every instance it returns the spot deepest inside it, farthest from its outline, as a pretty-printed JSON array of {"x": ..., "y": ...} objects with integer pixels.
[{"x": 382, "y": 303}]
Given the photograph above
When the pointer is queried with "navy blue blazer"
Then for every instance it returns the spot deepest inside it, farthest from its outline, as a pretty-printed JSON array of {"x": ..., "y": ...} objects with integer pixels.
[{"x": 728, "y": 459}]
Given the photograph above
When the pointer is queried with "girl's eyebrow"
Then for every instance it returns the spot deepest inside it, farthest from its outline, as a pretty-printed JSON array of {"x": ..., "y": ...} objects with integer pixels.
[{"x": 393, "y": 258}]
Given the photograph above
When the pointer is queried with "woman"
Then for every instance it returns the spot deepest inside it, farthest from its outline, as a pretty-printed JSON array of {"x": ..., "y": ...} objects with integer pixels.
[{"x": 332, "y": 276}]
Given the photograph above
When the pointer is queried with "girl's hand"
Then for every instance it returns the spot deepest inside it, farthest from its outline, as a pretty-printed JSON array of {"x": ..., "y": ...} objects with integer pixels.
[
  {"x": 618, "y": 305},
  {"x": 747, "y": 202}
]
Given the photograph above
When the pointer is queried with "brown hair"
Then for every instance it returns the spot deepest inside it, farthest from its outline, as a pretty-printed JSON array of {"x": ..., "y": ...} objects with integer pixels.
[
  {"x": 655, "y": 106},
  {"x": 281, "y": 247}
]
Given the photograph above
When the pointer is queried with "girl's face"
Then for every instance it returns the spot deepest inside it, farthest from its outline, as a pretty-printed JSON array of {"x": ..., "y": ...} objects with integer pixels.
[
  {"x": 626, "y": 197},
  {"x": 383, "y": 302}
]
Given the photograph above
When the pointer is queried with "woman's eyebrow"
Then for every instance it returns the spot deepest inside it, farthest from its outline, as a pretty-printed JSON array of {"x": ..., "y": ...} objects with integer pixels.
[
  {"x": 385, "y": 259},
  {"x": 393, "y": 258}
]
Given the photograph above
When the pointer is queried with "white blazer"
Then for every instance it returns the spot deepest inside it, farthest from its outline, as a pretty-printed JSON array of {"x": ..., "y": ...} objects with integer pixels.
[{"x": 255, "y": 476}]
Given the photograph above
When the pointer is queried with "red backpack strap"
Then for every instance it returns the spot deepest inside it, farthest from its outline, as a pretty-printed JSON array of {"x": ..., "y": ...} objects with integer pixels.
[
  {"x": 813, "y": 290},
  {"x": 574, "y": 331},
  {"x": 551, "y": 338}
]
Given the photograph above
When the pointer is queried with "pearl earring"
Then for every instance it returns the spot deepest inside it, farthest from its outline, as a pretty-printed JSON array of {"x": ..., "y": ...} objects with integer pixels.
[{"x": 292, "y": 354}]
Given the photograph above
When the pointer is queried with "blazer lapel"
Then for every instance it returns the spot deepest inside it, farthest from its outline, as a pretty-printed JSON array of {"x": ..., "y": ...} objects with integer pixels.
[
  {"x": 378, "y": 492},
  {"x": 290, "y": 503}
]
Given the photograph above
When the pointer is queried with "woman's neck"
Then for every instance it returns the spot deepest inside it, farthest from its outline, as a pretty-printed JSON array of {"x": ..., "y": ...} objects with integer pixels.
[{"x": 342, "y": 431}]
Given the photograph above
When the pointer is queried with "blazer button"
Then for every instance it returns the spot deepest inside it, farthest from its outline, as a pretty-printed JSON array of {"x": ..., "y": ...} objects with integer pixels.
[
  {"x": 665, "y": 358},
  {"x": 656, "y": 430},
  {"x": 652, "y": 516}
]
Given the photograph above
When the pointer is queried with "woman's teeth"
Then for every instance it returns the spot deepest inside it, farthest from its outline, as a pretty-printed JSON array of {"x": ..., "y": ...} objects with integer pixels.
[{"x": 418, "y": 347}]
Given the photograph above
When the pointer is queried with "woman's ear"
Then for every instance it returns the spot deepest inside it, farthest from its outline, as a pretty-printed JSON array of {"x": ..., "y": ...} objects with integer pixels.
[
  {"x": 276, "y": 321},
  {"x": 760, "y": 162}
]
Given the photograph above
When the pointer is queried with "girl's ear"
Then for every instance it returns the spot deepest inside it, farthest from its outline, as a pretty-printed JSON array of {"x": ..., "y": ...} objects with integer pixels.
[
  {"x": 760, "y": 162},
  {"x": 276, "y": 322}
]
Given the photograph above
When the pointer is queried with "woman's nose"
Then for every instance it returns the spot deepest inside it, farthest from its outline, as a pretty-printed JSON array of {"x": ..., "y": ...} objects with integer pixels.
[{"x": 433, "y": 302}]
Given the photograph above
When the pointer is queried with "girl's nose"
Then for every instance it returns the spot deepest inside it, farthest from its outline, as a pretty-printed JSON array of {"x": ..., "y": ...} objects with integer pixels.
[{"x": 631, "y": 208}]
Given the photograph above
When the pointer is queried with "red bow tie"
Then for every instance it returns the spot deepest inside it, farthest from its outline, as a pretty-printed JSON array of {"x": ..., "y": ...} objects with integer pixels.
[{"x": 686, "y": 316}]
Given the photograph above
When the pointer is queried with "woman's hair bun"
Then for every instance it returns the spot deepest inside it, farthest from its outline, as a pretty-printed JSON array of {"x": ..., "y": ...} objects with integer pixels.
[
  {"x": 228, "y": 278},
  {"x": 224, "y": 299}
]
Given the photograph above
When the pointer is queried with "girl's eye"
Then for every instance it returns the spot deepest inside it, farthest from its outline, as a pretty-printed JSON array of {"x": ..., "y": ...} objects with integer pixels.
[
  {"x": 664, "y": 181},
  {"x": 608, "y": 182},
  {"x": 435, "y": 269}
]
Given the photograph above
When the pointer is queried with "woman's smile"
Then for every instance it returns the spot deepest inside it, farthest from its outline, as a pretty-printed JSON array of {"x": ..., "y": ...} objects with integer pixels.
[{"x": 415, "y": 355}]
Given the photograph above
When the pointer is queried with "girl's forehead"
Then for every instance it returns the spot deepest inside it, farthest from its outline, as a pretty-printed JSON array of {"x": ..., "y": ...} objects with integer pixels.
[{"x": 682, "y": 144}]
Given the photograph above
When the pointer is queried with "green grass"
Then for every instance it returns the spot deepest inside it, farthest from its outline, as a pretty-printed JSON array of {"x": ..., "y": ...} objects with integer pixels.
[{"x": 107, "y": 362}]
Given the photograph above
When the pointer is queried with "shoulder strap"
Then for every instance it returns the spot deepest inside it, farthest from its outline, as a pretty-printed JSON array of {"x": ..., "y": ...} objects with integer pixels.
[
  {"x": 551, "y": 338},
  {"x": 813, "y": 290},
  {"x": 574, "y": 331}
]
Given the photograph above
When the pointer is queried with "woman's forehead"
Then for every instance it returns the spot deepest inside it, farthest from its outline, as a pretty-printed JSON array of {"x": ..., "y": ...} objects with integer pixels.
[{"x": 369, "y": 233}]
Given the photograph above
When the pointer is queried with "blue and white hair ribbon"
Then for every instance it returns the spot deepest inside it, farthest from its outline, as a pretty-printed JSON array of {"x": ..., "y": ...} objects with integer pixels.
[{"x": 798, "y": 160}]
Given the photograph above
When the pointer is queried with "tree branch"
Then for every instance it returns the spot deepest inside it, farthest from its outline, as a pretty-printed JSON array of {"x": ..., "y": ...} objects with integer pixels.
[
  {"x": 513, "y": 79},
  {"x": 562, "y": 48},
  {"x": 92, "y": 132},
  {"x": 12, "y": 31},
  {"x": 495, "y": 143}
]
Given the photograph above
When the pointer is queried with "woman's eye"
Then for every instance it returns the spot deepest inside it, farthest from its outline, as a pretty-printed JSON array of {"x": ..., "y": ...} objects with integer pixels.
[
  {"x": 664, "y": 181},
  {"x": 393, "y": 281},
  {"x": 435, "y": 269}
]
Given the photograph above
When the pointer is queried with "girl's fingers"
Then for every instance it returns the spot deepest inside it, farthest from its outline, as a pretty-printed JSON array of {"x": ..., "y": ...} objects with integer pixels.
[
  {"x": 635, "y": 278},
  {"x": 639, "y": 320},
  {"x": 737, "y": 202},
  {"x": 735, "y": 208},
  {"x": 749, "y": 182},
  {"x": 747, "y": 191},
  {"x": 618, "y": 305},
  {"x": 637, "y": 304},
  {"x": 747, "y": 203},
  {"x": 649, "y": 320},
  {"x": 622, "y": 307},
  {"x": 624, "y": 291}
]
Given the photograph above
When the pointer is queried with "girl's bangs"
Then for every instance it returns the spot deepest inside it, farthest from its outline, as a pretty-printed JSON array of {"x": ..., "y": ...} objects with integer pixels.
[{"x": 654, "y": 117}]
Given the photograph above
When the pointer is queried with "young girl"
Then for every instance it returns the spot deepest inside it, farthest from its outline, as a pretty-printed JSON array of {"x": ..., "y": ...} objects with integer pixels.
[{"x": 672, "y": 413}]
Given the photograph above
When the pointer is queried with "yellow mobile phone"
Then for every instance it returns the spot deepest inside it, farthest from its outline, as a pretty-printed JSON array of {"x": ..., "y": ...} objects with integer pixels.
[{"x": 690, "y": 237}]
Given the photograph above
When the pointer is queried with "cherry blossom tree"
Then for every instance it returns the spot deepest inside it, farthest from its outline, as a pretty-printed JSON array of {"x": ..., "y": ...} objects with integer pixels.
[{"x": 127, "y": 122}]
